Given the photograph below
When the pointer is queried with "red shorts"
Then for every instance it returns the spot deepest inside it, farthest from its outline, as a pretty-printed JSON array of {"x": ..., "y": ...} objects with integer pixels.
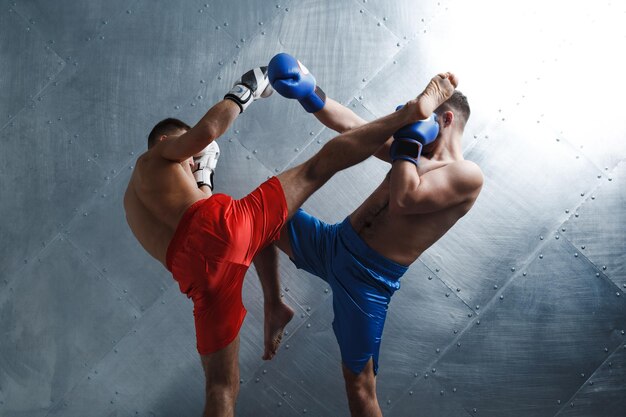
[{"x": 211, "y": 250}]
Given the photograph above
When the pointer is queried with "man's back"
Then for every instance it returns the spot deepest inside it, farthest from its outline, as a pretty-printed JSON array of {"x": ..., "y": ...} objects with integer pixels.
[
  {"x": 403, "y": 237},
  {"x": 158, "y": 194}
]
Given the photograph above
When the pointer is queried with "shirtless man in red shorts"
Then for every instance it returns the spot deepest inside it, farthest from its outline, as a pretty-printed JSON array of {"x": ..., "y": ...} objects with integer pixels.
[{"x": 209, "y": 240}]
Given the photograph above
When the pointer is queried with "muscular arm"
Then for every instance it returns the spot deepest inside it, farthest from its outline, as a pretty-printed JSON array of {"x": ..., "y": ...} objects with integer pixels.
[
  {"x": 213, "y": 125},
  {"x": 341, "y": 119},
  {"x": 435, "y": 190}
]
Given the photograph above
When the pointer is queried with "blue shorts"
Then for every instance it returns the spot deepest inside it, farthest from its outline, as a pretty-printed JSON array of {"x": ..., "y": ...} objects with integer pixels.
[{"x": 361, "y": 279}]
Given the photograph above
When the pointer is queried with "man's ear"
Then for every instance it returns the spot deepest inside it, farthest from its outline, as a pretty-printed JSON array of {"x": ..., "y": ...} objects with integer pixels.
[
  {"x": 162, "y": 137},
  {"x": 448, "y": 118}
]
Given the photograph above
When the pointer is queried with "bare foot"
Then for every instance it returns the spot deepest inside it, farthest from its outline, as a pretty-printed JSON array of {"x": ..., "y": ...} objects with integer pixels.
[
  {"x": 276, "y": 318},
  {"x": 439, "y": 89}
]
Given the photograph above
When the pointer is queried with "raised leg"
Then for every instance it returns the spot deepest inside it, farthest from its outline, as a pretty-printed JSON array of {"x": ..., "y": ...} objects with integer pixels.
[
  {"x": 361, "y": 390},
  {"x": 221, "y": 370},
  {"x": 356, "y": 145}
]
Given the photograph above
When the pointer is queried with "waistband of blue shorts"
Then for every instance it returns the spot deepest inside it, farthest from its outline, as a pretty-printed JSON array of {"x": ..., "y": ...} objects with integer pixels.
[{"x": 368, "y": 256}]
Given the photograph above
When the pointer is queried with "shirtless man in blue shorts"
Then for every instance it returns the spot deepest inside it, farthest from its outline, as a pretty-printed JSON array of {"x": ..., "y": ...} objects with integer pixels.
[{"x": 428, "y": 189}]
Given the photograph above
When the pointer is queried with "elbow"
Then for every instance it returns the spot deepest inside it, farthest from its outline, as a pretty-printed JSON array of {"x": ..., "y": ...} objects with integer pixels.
[
  {"x": 399, "y": 205},
  {"x": 211, "y": 132}
]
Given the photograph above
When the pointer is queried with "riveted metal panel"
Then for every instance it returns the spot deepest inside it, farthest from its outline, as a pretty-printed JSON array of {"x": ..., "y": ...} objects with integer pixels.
[
  {"x": 21, "y": 47},
  {"x": 539, "y": 340},
  {"x": 308, "y": 32},
  {"x": 86, "y": 20},
  {"x": 604, "y": 392},
  {"x": 142, "y": 69},
  {"x": 598, "y": 227},
  {"x": 62, "y": 303},
  {"x": 489, "y": 245},
  {"x": 125, "y": 264},
  {"x": 312, "y": 350},
  {"x": 45, "y": 176},
  {"x": 424, "y": 318}
]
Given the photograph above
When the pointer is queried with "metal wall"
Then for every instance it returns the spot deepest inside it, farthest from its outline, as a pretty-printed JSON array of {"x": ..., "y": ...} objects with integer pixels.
[{"x": 517, "y": 311}]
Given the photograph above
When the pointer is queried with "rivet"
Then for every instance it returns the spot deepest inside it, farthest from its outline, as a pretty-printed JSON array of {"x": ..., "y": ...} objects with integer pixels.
[
  {"x": 566, "y": 210},
  {"x": 524, "y": 274},
  {"x": 430, "y": 278},
  {"x": 541, "y": 256},
  {"x": 502, "y": 297},
  {"x": 495, "y": 287},
  {"x": 604, "y": 267},
  {"x": 513, "y": 269},
  {"x": 447, "y": 294},
  {"x": 458, "y": 290},
  {"x": 540, "y": 237},
  {"x": 326, "y": 290},
  {"x": 453, "y": 389},
  {"x": 576, "y": 255}
]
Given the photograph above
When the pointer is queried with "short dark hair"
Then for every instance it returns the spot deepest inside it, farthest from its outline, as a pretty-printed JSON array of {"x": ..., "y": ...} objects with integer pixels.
[
  {"x": 458, "y": 105},
  {"x": 165, "y": 127}
]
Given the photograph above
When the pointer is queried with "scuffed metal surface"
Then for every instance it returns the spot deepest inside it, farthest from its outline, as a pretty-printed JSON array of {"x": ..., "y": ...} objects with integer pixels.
[{"x": 90, "y": 325}]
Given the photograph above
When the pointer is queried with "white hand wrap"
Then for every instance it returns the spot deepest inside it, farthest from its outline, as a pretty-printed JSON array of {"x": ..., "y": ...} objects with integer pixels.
[{"x": 205, "y": 163}]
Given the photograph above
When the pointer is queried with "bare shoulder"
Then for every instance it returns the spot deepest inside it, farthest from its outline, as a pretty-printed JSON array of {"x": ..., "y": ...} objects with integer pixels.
[{"x": 467, "y": 176}]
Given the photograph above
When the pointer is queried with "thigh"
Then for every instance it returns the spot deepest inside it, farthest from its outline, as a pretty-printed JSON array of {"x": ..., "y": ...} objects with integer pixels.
[
  {"x": 256, "y": 220},
  {"x": 311, "y": 243},
  {"x": 299, "y": 183}
]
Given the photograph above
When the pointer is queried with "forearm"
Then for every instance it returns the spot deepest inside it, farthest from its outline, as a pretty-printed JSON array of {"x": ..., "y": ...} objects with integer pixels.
[
  {"x": 338, "y": 117},
  {"x": 403, "y": 183},
  {"x": 216, "y": 121}
]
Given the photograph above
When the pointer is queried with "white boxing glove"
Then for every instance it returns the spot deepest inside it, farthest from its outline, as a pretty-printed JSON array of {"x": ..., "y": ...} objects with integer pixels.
[
  {"x": 252, "y": 86},
  {"x": 204, "y": 164}
]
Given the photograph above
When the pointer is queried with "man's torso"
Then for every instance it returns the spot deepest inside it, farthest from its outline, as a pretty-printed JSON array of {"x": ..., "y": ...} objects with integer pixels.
[
  {"x": 403, "y": 238},
  {"x": 158, "y": 194}
]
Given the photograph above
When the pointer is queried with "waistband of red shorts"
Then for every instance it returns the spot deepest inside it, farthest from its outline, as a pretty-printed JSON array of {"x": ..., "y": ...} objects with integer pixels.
[{"x": 181, "y": 231}]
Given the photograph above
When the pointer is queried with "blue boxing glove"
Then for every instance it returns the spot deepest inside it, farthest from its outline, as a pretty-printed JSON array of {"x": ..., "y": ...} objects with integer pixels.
[
  {"x": 410, "y": 139},
  {"x": 291, "y": 79}
]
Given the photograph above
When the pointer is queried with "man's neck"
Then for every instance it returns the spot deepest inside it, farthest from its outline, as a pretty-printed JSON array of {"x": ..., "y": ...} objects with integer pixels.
[{"x": 447, "y": 149}]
